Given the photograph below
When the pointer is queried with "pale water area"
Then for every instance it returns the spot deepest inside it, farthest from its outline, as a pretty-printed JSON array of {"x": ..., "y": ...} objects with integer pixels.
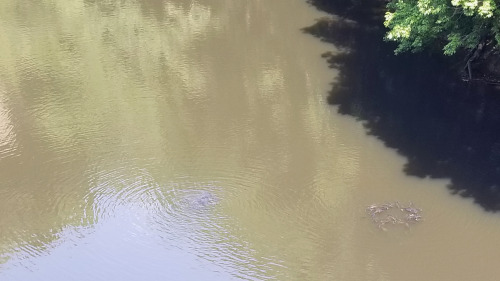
[{"x": 192, "y": 140}]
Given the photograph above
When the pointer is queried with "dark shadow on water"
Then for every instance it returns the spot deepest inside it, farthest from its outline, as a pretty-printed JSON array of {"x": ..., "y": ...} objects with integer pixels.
[{"x": 415, "y": 104}]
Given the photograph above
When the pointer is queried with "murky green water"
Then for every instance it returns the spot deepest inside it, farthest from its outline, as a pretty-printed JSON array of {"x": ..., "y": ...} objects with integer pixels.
[{"x": 191, "y": 140}]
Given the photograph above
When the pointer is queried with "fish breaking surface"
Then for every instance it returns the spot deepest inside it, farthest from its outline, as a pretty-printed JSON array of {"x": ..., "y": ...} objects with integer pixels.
[{"x": 394, "y": 213}]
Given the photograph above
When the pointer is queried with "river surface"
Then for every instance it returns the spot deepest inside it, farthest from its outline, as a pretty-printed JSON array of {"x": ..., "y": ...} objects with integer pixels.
[{"x": 193, "y": 140}]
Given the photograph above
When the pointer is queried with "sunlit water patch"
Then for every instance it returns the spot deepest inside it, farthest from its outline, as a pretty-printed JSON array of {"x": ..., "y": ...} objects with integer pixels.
[{"x": 175, "y": 231}]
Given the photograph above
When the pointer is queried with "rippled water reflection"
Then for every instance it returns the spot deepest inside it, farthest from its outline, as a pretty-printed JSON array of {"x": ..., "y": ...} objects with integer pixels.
[{"x": 191, "y": 140}]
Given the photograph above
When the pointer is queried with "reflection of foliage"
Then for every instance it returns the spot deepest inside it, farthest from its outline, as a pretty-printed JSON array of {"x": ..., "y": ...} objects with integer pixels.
[
  {"x": 101, "y": 56},
  {"x": 79, "y": 74},
  {"x": 416, "y": 24}
]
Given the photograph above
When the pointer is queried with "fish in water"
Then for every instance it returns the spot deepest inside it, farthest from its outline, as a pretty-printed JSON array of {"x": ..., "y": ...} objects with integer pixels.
[
  {"x": 202, "y": 200},
  {"x": 394, "y": 213}
]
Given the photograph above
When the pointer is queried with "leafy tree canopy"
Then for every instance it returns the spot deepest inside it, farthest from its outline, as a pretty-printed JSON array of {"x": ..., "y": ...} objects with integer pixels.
[{"x": 456, "y": 24}]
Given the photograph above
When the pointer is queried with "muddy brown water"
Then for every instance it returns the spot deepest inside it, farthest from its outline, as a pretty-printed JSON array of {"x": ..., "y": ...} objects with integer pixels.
[{"x": 192, "y": 140}]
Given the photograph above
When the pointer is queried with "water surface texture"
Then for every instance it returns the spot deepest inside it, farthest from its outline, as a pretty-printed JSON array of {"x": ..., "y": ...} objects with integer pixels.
[{"x": 193, "y": 140}]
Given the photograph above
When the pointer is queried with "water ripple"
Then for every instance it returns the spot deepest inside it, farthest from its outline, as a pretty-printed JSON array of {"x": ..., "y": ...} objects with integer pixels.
[{"x": 8, "y": 145}]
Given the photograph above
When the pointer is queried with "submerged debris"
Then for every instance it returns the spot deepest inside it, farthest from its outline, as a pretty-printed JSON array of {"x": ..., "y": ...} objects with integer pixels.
[{"x": 393, "y": 213}]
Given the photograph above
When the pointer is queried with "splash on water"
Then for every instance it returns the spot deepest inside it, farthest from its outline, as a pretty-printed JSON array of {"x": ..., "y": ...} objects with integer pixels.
[{"x": 394, "y": 213}]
